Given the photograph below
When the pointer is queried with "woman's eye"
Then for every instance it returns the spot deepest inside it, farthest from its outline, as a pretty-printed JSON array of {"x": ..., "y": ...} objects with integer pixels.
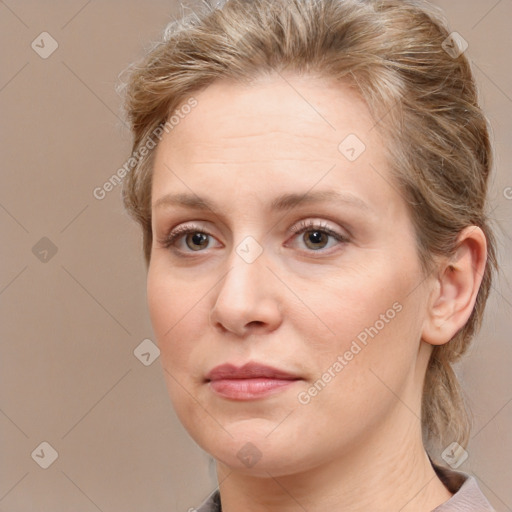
[
  {"x": 194, "y": 238},
  {"x": 317, "y": 235}
]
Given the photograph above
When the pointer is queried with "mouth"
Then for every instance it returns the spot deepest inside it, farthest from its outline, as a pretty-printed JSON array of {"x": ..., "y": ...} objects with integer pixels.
[{"x": 249, "y": 382}]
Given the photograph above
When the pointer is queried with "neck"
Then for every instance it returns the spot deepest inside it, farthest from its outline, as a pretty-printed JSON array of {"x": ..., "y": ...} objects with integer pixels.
[{"x": 364, "y": 478}]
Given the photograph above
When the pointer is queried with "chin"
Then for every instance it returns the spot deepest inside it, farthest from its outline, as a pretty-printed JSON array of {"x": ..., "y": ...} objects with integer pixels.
[{"x": 256, "y": 454}]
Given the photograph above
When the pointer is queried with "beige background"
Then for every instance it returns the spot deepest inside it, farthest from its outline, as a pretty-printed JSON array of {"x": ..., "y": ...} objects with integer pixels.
[{"x": 70, "y": 324}]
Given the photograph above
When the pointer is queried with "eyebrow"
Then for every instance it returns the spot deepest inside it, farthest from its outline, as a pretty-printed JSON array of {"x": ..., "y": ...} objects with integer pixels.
[{"x": 283, "y": 202}]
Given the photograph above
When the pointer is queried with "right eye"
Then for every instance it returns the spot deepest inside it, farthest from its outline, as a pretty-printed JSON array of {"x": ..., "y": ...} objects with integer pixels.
[{"x": 195, "y": 238}]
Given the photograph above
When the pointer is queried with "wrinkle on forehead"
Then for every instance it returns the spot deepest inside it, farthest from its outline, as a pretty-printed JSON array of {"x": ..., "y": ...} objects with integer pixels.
[{"x": 241, "y": 139}]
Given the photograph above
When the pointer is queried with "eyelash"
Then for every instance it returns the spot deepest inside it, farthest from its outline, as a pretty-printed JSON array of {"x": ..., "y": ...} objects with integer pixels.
[
  {"x": 302, "y": 227},
  {"x": 311, "y": 225}
]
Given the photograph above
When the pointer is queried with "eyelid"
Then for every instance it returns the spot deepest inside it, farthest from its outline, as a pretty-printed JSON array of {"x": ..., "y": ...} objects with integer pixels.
[{"x": 319, "y": 225}]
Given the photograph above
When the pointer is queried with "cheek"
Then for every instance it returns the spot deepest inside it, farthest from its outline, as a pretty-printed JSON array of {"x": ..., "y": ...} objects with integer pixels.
[
  {"x": 173, "y": 309},
  {"x": 173, "y": 312},
  {"x": 362, "y": 302},
  {"x": 374, "y": 353},
  {"x": 358, "y": 383},
  {"x": 374, "y": 324},
  {"x": 162, "y": 302}
]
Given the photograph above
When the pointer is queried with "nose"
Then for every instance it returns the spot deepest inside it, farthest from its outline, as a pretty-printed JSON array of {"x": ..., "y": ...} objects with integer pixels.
[{"x": 248, "y": 299}]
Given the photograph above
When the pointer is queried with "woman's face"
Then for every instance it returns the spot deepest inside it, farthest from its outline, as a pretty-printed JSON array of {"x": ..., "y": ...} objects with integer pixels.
[{"x": 304, "y": 260}]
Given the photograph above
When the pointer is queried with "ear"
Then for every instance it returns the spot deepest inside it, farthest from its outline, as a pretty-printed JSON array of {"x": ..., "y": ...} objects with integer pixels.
[{"x": 453, "y": 297}]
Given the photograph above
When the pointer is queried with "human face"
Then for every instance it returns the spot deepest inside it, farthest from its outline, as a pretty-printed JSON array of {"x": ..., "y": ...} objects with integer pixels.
[{"x": 249, "y": 289}]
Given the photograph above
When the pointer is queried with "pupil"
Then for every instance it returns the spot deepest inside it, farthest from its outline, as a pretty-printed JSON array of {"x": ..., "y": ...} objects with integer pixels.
[
  {"x": 315, "y": 237},
  {"x": 198, "y": 238}
]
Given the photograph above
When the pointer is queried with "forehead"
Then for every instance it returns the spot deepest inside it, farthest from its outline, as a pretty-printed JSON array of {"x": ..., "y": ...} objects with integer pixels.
[
  {"x": 288, "y": 131},
  {"x": 302, "y": 112}
]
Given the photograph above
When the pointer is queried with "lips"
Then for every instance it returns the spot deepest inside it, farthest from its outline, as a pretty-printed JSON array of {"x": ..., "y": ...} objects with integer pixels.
[
  {"x": 248, "y": 371},
  {"x": 248, "y": 382}
]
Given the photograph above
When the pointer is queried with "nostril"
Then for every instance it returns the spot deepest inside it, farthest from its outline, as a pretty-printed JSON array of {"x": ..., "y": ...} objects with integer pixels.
[{"x": 256, "y": 323}]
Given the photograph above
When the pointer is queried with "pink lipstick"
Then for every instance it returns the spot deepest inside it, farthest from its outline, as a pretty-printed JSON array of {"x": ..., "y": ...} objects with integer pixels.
[{"x": 248, "y": 382}]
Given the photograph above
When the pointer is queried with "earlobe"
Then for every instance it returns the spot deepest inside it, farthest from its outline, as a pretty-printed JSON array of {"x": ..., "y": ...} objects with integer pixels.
[{"x": 453, "y": 297}]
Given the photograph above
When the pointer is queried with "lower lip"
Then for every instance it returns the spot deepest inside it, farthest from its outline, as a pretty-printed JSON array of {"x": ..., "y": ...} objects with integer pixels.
[{"x": 249, "y": 389}]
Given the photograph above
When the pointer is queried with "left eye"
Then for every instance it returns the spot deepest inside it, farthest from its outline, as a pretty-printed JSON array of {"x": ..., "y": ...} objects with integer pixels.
[{"x": 317, "y": 234}]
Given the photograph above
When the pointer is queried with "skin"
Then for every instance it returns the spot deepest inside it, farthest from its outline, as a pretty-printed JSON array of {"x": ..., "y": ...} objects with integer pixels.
[{"x": 357, "y": 444}]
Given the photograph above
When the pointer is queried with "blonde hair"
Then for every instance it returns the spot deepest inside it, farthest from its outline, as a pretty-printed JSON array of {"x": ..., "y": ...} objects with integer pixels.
[{"x": 400, "y": 57}]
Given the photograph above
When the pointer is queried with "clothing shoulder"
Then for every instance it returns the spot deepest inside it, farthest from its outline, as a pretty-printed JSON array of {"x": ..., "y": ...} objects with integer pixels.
[
  {"x": 467, "y": 496},
  {"x": 211, "y": 504}
]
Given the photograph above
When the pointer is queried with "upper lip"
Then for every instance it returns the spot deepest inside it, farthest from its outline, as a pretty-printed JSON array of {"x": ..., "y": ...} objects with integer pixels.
[{"x": 248, "y": 371}]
